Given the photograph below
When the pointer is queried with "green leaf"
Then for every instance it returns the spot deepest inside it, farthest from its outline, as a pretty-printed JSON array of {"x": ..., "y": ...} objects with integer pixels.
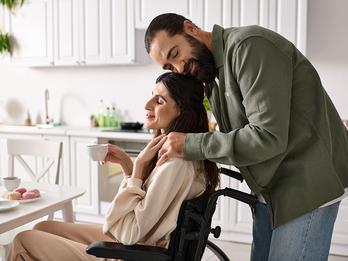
[
  {"x": 5, "y": 43},
  {"x": 206, "y": 104},
  {"x": 11, "y": 4}
]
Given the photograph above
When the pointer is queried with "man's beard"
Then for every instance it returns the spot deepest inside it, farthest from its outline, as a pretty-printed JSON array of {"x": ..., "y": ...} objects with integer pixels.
[{"x": 204, "y": 58}]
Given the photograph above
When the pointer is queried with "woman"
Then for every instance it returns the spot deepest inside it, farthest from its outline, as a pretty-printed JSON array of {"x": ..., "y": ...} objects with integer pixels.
[{"x": 137, "y": 214}]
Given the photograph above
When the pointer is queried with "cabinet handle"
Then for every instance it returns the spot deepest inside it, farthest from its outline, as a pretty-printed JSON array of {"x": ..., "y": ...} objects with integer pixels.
[
  {"x": 51, "y": 63},
  {"x": 83, "y": 62},
  {"x": 77, "y": 62}
]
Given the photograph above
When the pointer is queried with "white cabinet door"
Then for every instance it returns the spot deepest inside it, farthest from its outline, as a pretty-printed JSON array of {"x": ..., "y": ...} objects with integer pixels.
[
  {"x": 32, "y": 28},
  {"x": 287, "y": 17},
  {"x": 84, "y": 174},
  {"x": 146, "y": 10},
  {"x": 120, "y": 38},
  {"x": 66, "y": 35},
  {"x": 107, "y": 32},
  {"x": 93, "y": 31}
]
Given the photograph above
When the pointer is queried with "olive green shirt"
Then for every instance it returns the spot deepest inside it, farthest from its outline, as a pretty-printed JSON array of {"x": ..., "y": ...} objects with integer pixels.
[{"x": 277, "y": 123}]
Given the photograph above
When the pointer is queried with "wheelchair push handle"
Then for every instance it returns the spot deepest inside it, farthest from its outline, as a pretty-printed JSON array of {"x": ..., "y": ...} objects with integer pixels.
[{"x": 232, "y": 174}]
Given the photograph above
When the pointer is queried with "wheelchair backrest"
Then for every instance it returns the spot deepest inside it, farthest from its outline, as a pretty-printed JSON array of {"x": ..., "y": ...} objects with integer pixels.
[{"x": 189, "y": 238}]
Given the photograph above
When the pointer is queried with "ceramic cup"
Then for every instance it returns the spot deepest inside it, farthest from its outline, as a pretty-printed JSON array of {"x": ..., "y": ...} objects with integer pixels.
[
  {"x": 10, "y": 183},
  {"x": 97, "y": 152}
]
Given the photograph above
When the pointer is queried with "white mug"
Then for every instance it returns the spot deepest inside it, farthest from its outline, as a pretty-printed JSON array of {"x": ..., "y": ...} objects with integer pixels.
[
  {"x": 11, "y": 183},
  {"x": 97, "y": 152}
]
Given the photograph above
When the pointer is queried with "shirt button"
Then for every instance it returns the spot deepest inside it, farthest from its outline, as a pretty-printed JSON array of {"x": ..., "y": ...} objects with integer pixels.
[{"x": 227, "y": 94}]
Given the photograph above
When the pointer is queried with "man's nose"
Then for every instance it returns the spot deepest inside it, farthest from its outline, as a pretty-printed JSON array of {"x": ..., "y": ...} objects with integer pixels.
[{"x": 180, "y": 67}]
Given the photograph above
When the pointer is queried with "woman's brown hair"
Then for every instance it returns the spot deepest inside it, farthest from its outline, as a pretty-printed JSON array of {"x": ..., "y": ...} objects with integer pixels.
[{"x": 188, "y": 94}]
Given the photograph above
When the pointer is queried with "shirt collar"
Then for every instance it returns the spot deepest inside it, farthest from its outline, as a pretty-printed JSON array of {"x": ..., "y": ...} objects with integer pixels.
[{"x": 218, "y": 45}]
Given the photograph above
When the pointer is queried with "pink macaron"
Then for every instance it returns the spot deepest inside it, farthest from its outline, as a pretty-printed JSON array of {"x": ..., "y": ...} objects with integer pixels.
[
  {"x": 20, "y": 190},
  {"x": 28, "y": 195}
]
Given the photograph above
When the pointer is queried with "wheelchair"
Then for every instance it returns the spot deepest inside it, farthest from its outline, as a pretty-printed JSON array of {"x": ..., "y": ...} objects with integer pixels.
[{"x": 190, "y": 238}]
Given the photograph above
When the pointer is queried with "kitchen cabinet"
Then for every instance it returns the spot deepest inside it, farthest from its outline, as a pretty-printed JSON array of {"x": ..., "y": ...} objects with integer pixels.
[
  {"x": 32, "y": 27},
  {"x": 94, "y": 32},
  {"x": 74, "y": 32},
  {"x": 84, "y": 174},
  {"x": 146, "y": 10},
  {"x": 287, "y": 17}
]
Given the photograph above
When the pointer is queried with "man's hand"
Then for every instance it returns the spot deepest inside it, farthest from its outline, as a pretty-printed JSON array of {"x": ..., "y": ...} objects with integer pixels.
[{"x": 172, "y": 148}]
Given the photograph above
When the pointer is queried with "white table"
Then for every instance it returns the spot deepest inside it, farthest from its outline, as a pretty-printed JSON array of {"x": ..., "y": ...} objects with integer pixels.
[{"x": 54, "y": 198}]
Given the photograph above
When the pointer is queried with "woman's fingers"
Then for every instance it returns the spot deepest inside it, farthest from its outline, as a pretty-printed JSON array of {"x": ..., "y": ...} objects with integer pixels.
[
  {"x": 155, "y": 140},
  {"x": 160, "y": 143}
]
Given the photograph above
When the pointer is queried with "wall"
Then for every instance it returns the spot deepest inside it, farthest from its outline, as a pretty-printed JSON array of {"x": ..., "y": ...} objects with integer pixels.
[
  {"x": 75, "y": 92},
  {"x": 327, "y": 48}
]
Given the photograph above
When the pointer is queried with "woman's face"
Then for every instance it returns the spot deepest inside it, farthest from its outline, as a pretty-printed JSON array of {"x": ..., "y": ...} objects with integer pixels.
[{"x": 161, "y": 109}]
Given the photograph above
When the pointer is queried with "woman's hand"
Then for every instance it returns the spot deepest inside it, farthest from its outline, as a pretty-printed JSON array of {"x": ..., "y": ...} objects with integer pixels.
[
  {"x": 147, "y": 154},
  {"x": 117, "y": 155}
]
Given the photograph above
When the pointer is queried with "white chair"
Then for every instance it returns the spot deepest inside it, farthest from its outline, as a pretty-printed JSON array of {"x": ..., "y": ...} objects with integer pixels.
[
  {"x": 49, "y": 153},
  {"x": 51, "y": 150}
]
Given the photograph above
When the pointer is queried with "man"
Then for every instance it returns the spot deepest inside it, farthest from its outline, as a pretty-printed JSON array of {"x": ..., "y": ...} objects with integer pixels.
[{"x": 277, "y": 125}]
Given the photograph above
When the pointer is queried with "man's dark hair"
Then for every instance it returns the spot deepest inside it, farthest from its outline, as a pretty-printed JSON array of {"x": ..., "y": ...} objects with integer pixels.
[{"x": 171, "y": 23}]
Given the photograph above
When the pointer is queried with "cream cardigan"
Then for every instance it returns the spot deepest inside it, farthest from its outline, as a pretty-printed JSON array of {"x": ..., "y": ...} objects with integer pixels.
[{"x": 146, "y": 213}]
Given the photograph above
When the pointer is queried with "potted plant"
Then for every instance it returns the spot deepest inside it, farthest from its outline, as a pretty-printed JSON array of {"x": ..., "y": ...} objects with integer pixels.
[
  {"x": 5, "y": 43},
  {"x": 5, "y": 38},
  {"x": 11, "y": 4},
  {"x": 211, "y": 118}
]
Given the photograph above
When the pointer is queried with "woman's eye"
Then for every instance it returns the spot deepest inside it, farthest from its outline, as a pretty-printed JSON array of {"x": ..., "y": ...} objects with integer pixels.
[
  {"x": 159, "y": 100},
  {"x": 175, "y": 54}
]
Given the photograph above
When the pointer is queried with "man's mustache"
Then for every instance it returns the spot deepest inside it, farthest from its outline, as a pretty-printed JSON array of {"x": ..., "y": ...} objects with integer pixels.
[{"x": 187, "y": 66}]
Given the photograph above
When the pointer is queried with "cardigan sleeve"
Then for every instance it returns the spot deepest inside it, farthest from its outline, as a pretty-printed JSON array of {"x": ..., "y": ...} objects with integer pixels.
[
  {"x": 264, "y": 75},
  {"x": 134, "y": 211}
]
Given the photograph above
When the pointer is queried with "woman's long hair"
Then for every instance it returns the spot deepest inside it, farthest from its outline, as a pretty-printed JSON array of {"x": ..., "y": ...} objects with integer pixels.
[{"x": 188, "y": 94}]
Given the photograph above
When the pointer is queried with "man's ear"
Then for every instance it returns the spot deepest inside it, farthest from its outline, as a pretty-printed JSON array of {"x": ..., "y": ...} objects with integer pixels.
[{"x": 190, "y": 28}]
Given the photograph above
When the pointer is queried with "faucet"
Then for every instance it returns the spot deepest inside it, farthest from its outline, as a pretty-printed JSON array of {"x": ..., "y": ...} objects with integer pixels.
[{"x": 48, "y": 120}]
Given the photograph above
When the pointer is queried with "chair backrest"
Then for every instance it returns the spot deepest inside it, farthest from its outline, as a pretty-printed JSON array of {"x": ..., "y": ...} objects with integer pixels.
[{"x": 49, "y": 150}]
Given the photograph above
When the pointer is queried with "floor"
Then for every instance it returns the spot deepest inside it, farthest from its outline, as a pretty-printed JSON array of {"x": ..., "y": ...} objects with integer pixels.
[{"x": 241, "y": 252}]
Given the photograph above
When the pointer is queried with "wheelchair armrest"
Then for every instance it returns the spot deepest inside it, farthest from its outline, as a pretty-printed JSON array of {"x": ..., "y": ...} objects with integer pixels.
[{"x": 131, "y": 253}]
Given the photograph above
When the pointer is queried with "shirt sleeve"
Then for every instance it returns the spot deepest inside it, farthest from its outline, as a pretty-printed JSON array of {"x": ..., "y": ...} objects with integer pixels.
[
  {"x": 264, "y": 74},
  {"x": 134, "y": 211}
]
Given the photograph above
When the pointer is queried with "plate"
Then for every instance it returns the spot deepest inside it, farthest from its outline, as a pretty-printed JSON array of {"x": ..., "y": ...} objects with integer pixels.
[
  {"x": 27, "y": 200},
  {"x": 4, "y": 198},
  {"x": 8, "y": 204}
]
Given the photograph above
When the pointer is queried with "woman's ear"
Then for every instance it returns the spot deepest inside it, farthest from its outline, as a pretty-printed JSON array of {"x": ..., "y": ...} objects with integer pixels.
[{"x": 190, "y": 28}]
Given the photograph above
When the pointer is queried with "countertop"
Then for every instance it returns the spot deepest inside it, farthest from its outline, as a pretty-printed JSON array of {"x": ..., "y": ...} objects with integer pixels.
[{"x": 76, "y": 131}]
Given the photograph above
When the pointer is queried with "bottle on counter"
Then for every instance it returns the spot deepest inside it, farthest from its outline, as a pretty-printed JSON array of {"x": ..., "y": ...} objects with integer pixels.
[
  {"x": 101, "y": 114},
  {"x": 108, "y": 117},
  {"x": 115, "y": 117}
]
